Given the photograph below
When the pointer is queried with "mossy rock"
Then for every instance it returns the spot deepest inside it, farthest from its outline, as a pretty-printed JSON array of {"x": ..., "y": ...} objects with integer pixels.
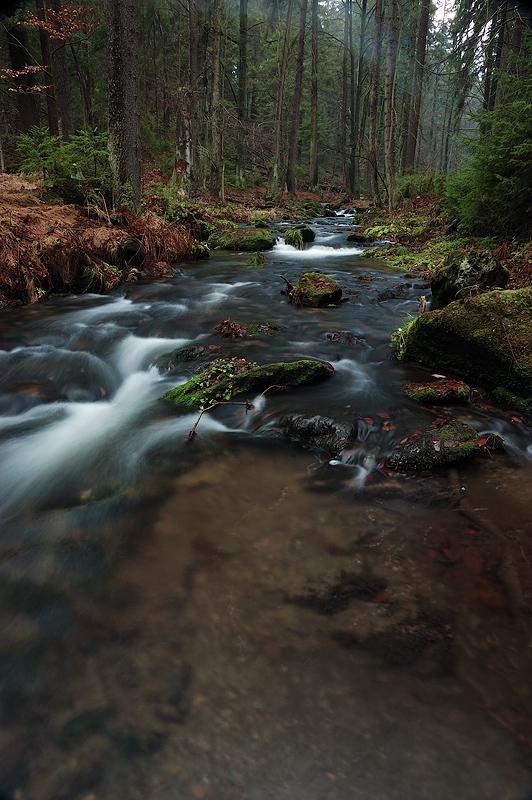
[
  {"x": 226, "y": 378},
  {"x": 462, "y": 271},
  {"x": 439, "y": 391},
  {"x": 328, "y": 212},
  {"x": 260, "y": 223},
  {"x": 246, "y": 239},
  {"x": 298, "y": 235},
  {"x": 311, "y": 208},
  {"x": 485, "y": 339},
  {"x": 360, "y": 238},
  {"x": 441, "y": 445},
  {"x": 169, "y": 361},
  {"x": 315, "y": 290}
]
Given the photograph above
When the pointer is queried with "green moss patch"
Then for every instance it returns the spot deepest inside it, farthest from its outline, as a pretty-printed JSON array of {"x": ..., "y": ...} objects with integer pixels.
[
  {"x": 298, "y": 235},
  {"x": 438, "y": 391},
  {"x": 315, "y": 290},
  {"x": 245, "y": 239},
  {"x": 228, "y": 377},
  {"x": 485, "y": 339}
]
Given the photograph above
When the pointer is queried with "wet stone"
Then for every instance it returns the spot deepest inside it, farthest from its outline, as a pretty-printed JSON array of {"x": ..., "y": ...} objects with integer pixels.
[{"x": 320, "y": 432}]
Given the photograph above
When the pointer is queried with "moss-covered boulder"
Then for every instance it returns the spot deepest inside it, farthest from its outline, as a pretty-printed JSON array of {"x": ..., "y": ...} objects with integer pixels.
[
  {"x": 311, "y": 208},
  {"x": 485, "y": 339},
  {"x": 462, "y": 271},
  {"x": 440, "y": 445},
  {"x": 228, "y": 377},
  {"x": 360, "y": 238},
  {"x": 315, "y": 290},
  {"x": 439, "y": 391},
  {"x": 298, "y": 235},
  {"x": 246, "y": 239}
]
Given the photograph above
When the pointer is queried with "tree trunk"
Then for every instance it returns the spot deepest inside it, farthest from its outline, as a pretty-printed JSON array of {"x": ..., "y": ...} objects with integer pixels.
[
  {"x": 374, "y": 82},
  {"x": 296, "y": 109},
  {"x": 421, "y": 49},
  {"x": 61, "y": 82},
  {"x": 392, "y": 30},
  {"x": 314, "y": 177},
  {"x": 282, "y": 65},
  {"x": 242, "y": 96},
  {"x": 124, "y": 107},
  {"x": 215, "y": 183},
  {"x": 51, "y": 107},
  {"x": 345, "y": 97},
  {"x": 356, "y": 126},
  {"x": 26, "y": 102}
]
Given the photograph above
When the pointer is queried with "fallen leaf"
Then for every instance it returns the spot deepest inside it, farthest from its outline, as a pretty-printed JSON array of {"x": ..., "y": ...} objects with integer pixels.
[
  {"x": 384, "y": 416},
  {"x": 388, "y": 426},
  {"x": 481, "y": 442},
  {"x": 368, "y": 420},
  {"x": 449, "y": 554},
  {"x": 473, "y": 563}
]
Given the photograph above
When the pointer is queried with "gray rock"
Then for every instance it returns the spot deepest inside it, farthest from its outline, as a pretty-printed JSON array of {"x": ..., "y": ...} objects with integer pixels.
[{"x": 462, "y": 271}]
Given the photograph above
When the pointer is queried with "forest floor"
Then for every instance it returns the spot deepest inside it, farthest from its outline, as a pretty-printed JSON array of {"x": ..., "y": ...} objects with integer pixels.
[
  {"x": 62, "y": 249},
  {"x": 422, "y": 238}
]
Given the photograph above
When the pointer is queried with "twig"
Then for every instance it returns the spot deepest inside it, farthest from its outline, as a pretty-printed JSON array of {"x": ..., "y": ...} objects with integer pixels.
[{"x": 192, "y": 433}]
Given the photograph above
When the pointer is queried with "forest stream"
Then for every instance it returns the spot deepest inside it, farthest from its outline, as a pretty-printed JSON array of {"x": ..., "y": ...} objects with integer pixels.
[{"x": 240, "y": 617}]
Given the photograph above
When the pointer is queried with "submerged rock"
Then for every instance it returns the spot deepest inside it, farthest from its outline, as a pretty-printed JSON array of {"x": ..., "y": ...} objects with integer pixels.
[
  {"x": 486, "y": 339},
  {"x": 228, "y": 377},
  {"x": 330, "y": 594},
  {"x": 247, "y": 239},
  {"x": 315, "y": 290},
  {"x": 441, "y": 444},
  {"x": 404, "y": 642},
  {"x": 461, "y": 270},
  {"x": 320, "y": 432}
]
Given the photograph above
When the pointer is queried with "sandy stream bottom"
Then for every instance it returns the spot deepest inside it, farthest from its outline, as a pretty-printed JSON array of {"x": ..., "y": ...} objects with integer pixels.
[{"x": 191, "y": 677}]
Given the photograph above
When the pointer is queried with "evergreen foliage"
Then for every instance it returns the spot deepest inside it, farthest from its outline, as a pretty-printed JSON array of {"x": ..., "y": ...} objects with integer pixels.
[
  {"x": 492, "y": 192},
  {"x": 73, "y": 170}
]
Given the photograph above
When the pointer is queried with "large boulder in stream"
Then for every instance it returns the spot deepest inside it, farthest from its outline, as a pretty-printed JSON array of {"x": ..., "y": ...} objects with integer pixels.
[
  {"x": 246, "y": 239},
  {"x": 298, "y": 235},
  {"x": 315, "y": 290},
  {"x": 478, "y": 270},
  {"x": 319, "y": 432},
  {"x": 226, "y": 378},
  {"x": 485, "y": 339}
]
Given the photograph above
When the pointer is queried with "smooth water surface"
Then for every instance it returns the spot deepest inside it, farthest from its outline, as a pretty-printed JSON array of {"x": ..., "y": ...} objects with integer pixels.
[{"x": 242, "y": 617}]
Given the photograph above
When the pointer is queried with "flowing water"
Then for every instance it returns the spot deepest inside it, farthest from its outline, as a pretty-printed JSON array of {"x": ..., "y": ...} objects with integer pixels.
[{"x": 241, "y": 616}]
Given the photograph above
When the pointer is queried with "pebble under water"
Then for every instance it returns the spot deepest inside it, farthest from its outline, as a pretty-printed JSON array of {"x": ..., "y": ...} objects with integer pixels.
[{"x": 241, "y": 617}]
